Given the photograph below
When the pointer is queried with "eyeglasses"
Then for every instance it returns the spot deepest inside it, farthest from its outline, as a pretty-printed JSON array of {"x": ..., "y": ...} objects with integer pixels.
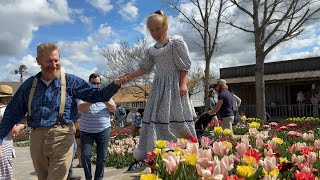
[{"x": 95, "y": 83}]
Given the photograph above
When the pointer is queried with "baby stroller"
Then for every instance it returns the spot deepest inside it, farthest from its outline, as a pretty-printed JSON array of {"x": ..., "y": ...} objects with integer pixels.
[{"x": 202, "y": 124}]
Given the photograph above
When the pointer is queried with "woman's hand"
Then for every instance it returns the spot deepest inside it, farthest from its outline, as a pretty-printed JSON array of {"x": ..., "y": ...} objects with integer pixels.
[{"x": 183, "y": 89}]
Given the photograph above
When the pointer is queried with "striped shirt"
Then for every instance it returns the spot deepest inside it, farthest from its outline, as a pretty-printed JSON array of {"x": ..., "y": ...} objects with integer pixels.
[
  {"x": 95, "y": 119},
  {"x": 46, "y": 101}
]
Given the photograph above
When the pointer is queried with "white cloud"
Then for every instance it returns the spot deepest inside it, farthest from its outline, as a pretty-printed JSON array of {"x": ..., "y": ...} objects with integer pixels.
[
  {"x": 87, "y": 21},
  {"x": 102, "y": 5},
  {"x": 13, "y": 64},
  {"x": 128, "y": 11},
  {"x": 21, "y": 18}
]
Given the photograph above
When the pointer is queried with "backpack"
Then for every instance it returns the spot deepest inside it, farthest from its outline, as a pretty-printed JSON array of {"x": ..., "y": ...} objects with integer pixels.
[{"x": 121, "y": 111}]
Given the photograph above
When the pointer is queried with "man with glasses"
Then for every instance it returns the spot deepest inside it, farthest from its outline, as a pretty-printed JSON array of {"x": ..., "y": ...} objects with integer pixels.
[{"x": 95, "y": 127}]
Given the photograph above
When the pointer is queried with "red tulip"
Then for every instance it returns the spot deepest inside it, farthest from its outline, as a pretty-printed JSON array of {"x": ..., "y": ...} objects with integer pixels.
[
  {"x": 254, "y": 153},
  {"x": 233, "y": 177},
  {"x": 304, "y": 175},
  {"x": 193, "y": 139}
]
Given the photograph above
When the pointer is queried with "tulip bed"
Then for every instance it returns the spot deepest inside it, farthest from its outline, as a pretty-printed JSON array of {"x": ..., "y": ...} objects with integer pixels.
[{"x": 286, "y": 150}]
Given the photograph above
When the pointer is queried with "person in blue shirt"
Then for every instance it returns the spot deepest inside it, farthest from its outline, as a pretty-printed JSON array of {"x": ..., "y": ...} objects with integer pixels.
[
  {"x": 51, "y": 138},
  {"x": 95, "y": 127},
  {"x": 224, "y": 106}
]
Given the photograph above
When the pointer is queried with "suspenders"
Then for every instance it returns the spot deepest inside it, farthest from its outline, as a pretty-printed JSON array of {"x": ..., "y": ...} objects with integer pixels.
[{"x": 62, "y": 99}]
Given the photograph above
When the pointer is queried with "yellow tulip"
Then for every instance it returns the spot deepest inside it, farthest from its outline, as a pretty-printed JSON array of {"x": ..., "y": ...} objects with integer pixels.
[
  {"x": 254, "y": 125},
  {"x": 245, "y": 171},
  {"x": 249, "y": 160},
  {"x": 277, "y": 140},
  {"x": 227, "y": 144},
  {"x": 149, "y": 177},
  {"x": 283, "y": 160},
  {"x": 190, "y": 159},
  {"x": 157, "y": 151},
  {"x": 161, "y": 144},
  {"x": 273, "y": 173},
  {"x": 218, "y": 130},
  {"x": 227, "y": 132}
]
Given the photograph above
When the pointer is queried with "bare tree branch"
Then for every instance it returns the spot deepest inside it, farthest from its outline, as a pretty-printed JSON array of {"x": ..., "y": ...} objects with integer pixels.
[{"x": 206, "y": 21}]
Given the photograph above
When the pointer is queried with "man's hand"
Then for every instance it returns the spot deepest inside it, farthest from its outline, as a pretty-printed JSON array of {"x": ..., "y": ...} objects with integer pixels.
[
  {"x": 123, "y": 79},
  {"x": 183, "y": 89}
]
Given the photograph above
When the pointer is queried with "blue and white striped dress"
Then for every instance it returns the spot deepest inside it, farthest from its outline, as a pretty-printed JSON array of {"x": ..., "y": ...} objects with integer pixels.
[{"x": 6, "y": 161}]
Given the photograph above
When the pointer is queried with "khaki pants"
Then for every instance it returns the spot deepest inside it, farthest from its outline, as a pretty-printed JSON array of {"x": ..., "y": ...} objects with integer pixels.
[
  {"x": 227, "y": 122},
  {"x": 52, "y": 151}
]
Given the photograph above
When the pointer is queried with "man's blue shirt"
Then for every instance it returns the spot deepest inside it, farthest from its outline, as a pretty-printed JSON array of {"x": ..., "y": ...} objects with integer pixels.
[{"x": 46, "y": 101}]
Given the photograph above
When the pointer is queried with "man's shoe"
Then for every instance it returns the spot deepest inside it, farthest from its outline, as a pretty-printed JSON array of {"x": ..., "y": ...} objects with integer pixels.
[{"x": 73, "y": 177}]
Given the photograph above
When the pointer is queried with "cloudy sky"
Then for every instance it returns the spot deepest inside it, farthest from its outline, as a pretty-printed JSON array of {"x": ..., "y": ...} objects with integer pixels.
[{"x": 82, "y": 28}]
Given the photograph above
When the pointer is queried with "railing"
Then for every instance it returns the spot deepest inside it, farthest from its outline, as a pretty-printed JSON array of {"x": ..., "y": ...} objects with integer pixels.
[{"x": 284, "y": 111}]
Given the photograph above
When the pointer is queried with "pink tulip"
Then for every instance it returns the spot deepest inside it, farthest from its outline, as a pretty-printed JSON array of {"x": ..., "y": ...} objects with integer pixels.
[
  {"x": 268, "y": 152},
  {"x": 206, "y": 173},
  {"x": 227, "y": 162},
  {"x": 172, "y": 162},
  {"x": 317, "y": 144},
  {"x": 263, "y": 135},
  {"x": 298, "y": 134},
  {"x": 272, "y": 144},
  {"x": 259, "y": 143},
  {"x": 182, "y": 143},
  {"x": 204, "y": 162},
  {"x": 205, "y": 141},
  {"x": 312, "y": 157},
  {"x": 292, "y": 125},
  {"x": 219, "y": 149},
  {"x": 193, "y": 148},
  {"x": 246, "y": 142},
  {"x": 266, "y": 127},
  {"x": 273, "y": 124},
  {"x": 172, "y": 145},
  {"x": 269, "y": 163},
  {"x": 205, "y": 153},
  {"x": 253, "y": 132},
  {"x": 283, "y": 128},
  {"x": 292, "y": 133},
  {"x": 305, "y": 136},
  {"x": 241, "y": 149},
  {"x": 297, "y": 159}
]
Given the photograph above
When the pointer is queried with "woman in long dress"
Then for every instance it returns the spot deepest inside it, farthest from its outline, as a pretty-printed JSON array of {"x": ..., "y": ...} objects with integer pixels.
[{"x": 167, "y": 114}]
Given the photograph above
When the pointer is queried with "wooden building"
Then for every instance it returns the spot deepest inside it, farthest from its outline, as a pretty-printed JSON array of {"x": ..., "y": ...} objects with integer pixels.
[
  {"x": 283, "y": 80},
  {"x": 129, "y": 97}
]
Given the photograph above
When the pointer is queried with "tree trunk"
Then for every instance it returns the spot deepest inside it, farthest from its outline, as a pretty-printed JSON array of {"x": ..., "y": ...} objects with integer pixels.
[
  {"x": 206, "y": 84},
  {"x": 260, "y": 86}
]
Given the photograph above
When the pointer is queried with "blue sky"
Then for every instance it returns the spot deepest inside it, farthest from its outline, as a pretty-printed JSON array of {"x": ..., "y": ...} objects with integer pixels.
[{"x": 82, "y": 27}]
